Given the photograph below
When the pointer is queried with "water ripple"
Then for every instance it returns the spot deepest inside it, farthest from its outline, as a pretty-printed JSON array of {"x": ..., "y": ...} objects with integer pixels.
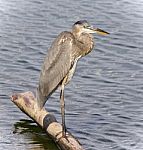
[{"x": 104, "y": 107}]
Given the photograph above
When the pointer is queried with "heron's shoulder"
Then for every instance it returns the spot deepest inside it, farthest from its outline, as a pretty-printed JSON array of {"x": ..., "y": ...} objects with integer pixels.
[{"x": 65, "y": 36}]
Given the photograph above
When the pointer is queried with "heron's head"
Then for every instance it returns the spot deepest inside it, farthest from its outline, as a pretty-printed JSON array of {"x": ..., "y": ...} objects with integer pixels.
[{"x": 83, "y": 26}]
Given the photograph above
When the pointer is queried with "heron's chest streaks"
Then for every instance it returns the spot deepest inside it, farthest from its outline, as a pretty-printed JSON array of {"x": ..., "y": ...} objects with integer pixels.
[{"x": 71, "y": 71}]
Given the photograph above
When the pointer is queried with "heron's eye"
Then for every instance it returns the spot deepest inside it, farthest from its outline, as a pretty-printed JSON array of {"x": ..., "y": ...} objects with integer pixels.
[{"x": 86, "y": 26}]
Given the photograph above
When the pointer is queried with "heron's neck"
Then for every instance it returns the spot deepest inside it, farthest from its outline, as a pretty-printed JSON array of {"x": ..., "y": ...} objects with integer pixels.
[{"x": 84, "y": 42}]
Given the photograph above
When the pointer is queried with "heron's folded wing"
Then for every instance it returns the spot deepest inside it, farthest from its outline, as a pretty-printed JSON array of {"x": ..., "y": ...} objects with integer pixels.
[{"x": 57, "y": 63}]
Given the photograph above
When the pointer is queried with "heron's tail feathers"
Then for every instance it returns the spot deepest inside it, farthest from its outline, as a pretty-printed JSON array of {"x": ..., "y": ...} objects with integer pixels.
[{"x": 41, "y": 100}]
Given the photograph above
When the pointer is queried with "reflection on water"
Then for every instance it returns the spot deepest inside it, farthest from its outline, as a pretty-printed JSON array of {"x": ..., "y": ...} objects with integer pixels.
[
  {"x": 34, "y": 135},
  {"x": 104, "y": 107}
]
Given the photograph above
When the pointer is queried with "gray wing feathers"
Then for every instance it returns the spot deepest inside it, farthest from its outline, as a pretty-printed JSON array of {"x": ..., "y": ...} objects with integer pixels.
[{"x": 56, "y": 66}]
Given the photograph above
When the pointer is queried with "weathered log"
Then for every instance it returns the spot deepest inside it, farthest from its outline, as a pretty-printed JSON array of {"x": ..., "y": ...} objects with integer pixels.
[{"x": 26, "y": 102}]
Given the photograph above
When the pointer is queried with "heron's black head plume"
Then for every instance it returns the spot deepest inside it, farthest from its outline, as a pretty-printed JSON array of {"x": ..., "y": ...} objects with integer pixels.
[{"x": 82, "y": 22}]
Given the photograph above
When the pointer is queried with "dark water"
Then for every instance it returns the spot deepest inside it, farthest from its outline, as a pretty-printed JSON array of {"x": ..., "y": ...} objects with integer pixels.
[{"x": 104, "y": 101}]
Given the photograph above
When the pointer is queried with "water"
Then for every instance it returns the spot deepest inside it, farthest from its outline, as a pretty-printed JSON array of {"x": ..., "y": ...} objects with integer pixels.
[{"x": 104, "y": 106}]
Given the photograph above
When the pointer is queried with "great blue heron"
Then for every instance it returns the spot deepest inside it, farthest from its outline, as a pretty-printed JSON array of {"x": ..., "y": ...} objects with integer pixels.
[{"x": 61, "y": 60}]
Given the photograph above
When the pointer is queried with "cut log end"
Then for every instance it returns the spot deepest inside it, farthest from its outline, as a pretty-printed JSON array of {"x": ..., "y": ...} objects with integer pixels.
[
  {"x": 14, "y": 97},
  {"x": 26, "y": 102}
]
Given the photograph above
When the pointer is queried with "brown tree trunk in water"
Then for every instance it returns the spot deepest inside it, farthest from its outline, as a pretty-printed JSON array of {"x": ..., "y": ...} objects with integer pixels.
[{"x": 26, "y": 102}]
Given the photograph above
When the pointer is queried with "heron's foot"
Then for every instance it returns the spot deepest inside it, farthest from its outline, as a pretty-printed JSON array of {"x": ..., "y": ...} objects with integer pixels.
[{"x": 64, "y": 133}]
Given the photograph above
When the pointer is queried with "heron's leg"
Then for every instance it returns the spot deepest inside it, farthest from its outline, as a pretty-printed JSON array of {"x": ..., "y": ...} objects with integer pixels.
[{"x": 63, "y": 110}]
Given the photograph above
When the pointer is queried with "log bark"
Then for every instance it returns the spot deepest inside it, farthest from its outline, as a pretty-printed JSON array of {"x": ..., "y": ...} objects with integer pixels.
[{"x": 26, "y": 103}]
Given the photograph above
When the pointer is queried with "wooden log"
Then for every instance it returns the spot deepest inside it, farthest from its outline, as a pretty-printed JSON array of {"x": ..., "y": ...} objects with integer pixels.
[{"x": 26, "y": 102}]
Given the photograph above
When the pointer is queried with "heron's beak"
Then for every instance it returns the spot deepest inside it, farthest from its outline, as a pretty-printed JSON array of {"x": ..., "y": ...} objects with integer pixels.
[
  {"x": 97, "y": 30},
  {"x": 101, "y": 32}
]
